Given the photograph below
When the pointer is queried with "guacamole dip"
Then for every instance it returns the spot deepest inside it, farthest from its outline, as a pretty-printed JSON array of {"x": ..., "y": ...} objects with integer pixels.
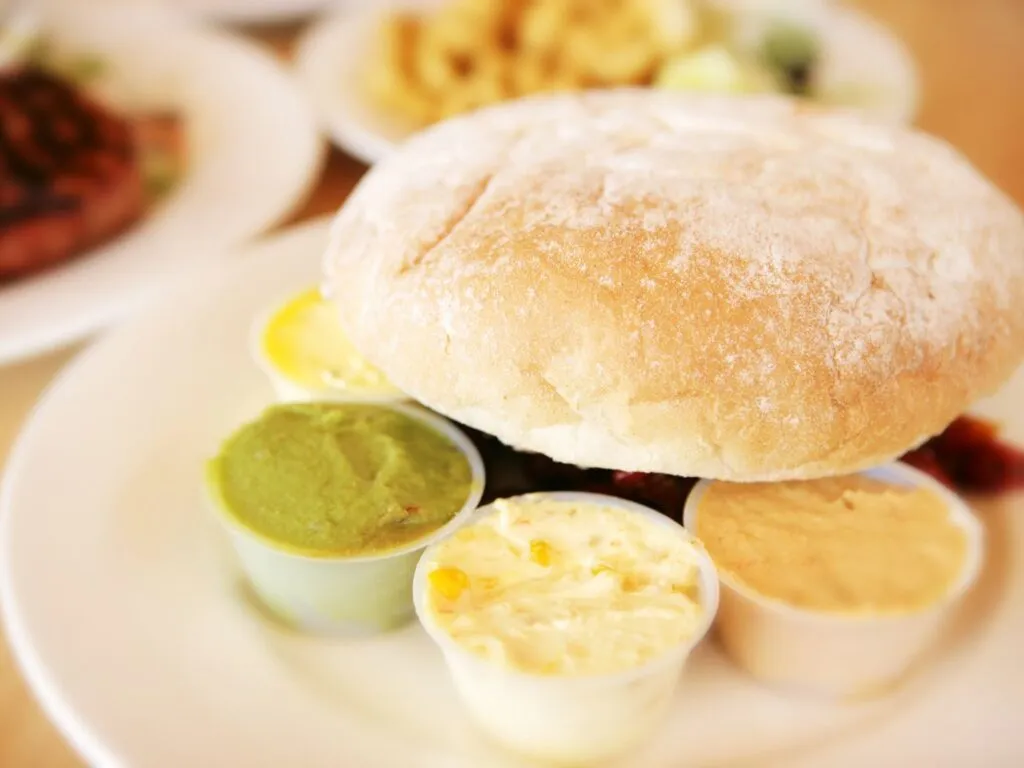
[{"x": 340, "y": 478}]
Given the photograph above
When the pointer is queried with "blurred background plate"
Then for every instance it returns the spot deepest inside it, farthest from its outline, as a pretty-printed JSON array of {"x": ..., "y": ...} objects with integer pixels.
[
  {"x": 328, "y": 60},
  {"x": 124, "y": 610},
  {"x": 253, "y": 154},
  {"x": 862, "y": 64},
  {"x": 255, "y": 11}
]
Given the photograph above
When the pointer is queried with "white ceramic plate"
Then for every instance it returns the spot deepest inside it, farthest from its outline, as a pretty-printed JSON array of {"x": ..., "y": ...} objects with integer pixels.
[
  {"x": 253, "y": 11},
  {"x": 254, "y": 152},
  {"x": 858, "y": 54},
  {"x": 123, "y": 606},
  {"x": 232, "y": 11},
  {"x": 328, "y": 62}
]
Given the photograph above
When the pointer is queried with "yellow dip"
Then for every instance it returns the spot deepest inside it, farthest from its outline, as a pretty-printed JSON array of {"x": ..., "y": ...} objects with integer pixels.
[
  {"x": 566, "y": 588},
  {"x": 304, "y": 343},
  {"x": 847, "y": 544}
]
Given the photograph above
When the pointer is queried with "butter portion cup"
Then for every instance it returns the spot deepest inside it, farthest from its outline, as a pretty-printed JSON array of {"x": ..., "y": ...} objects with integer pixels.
[{"x": 366, "y": 383}]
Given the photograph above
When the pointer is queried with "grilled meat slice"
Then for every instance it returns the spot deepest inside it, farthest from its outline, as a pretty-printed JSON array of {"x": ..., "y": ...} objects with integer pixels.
[{"x": 70, "y": 174}]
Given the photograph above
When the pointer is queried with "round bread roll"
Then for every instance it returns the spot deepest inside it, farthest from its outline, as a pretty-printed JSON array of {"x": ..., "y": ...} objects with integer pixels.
[{"x": 744, "y": 289}]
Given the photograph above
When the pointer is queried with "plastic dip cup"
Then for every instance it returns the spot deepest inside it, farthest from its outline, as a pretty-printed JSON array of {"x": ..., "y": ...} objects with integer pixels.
[
  {"x": 345, "y": 594},
  {"x": 290, "y": 390},
  {"x": 843, "y": 655},
  {"x": 568, "y": 720}
]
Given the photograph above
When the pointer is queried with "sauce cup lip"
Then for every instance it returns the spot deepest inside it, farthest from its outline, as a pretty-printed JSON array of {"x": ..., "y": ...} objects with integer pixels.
[
  {"x": 438, "y": 423},
  {"x": 900, "y": 474},
  {"x": 708, "y": 591},
  {"x": 257, "y": 351}
]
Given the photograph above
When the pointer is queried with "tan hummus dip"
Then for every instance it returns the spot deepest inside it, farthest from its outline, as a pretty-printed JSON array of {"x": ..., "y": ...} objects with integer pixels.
[{"x": 844, "y": 544}]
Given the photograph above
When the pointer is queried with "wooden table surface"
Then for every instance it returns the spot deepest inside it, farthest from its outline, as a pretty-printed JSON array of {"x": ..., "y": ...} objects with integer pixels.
[{"x": 971, "y": 56}]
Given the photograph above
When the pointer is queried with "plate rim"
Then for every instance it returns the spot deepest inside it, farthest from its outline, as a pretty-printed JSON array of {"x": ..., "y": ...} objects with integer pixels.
[
  {"x": 40, "y": 681},
  {"x": 352, "y": 136},
  {"x": 276, "y": 12}
]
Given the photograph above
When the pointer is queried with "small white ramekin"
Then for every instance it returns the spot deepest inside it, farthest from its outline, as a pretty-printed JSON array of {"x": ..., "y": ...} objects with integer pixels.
[
  {"x": 568, "y": 720},
  {"x": 344, "y": 594},
  {"x": 848, "y": 656},
  {"x": 287, "y": 390}
]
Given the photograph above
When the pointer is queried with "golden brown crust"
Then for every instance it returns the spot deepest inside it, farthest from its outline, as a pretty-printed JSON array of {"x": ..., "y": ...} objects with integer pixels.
[{"x": 745, "y": 290}]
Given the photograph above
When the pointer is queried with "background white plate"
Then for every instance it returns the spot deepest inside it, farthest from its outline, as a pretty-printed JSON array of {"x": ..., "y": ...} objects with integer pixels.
[
  {"x": 254, "y": 152},
  {"x": 227, "y": 11},
  {"x": 332, "y": 54},
  {"x": 124, "y": 609},
  {"x": 255, "y": 11}
]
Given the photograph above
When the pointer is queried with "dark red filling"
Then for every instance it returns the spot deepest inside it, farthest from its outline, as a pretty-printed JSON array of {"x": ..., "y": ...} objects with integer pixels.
[{"x": 968, "y": 457}]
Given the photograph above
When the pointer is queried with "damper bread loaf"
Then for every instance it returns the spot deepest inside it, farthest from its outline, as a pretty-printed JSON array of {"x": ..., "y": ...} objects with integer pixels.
[{"x": 745, "y": 289}]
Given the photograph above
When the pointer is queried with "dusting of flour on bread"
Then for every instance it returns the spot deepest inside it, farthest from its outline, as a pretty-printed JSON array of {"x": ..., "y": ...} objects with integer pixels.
[{"x": 739, "y": 288}]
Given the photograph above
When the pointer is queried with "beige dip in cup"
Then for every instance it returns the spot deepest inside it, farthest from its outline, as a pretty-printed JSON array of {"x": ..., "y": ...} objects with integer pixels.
[
  {"x": 836, "y": 586},
  {"x": 565, "y": 620}
]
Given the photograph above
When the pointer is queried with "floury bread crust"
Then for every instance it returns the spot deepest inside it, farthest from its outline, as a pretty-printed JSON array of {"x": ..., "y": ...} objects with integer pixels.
[{"x": 737, "y": 289}]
